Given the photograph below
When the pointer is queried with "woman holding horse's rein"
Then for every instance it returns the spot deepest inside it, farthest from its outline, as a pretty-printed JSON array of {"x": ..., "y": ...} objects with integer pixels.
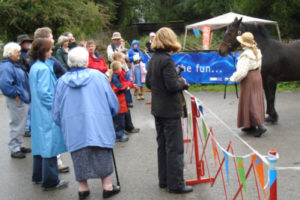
[{"x": 251, "y": 114}]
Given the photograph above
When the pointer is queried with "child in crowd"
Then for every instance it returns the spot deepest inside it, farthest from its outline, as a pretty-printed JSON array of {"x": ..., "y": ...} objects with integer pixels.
[
  {"x": 119, "y": 89},
  {"x": 124, "y": 75},
  {"x": 138, "y": 75},
  {"x": 125, "y": 80},
  {"x": 135, "y": 50}
]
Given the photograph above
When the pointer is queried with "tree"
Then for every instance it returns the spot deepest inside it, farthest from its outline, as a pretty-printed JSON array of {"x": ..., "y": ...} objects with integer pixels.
[
  {"x": 78, "y": 16},
  {"x": 285, "y": 12}
]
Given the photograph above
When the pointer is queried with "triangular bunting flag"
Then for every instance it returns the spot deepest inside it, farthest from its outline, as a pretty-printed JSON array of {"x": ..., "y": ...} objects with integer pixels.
[
  {"x": 196, "y": 31},
  {"x": 241, "y": 170},
  {"x": 226, "y": 165},
  {"x": 258, "y": 164},
  {"x": 190, "y": 120},
  {"x": 213, "y": 142},
  {"x": 204, "y": 129}
]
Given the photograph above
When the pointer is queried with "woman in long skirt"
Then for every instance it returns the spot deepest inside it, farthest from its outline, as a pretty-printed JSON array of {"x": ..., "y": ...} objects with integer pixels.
[{"x": 251, "y": 104}]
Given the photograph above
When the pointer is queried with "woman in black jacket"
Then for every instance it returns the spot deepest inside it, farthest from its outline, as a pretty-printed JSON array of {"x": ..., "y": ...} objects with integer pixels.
[{"x": 166, "y": 86}]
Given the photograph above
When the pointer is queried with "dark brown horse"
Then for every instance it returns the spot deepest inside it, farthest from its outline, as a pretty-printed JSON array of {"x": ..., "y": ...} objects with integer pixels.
[{"x": 280, "y": 62}]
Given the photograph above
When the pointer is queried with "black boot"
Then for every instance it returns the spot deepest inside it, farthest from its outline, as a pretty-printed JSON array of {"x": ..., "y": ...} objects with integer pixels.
[
  {"x": 185, "y": 189},
  {"x": 259, "y": 131},
  {"x": 252, "y": 128},
  {"x": 272, "y": 119}
]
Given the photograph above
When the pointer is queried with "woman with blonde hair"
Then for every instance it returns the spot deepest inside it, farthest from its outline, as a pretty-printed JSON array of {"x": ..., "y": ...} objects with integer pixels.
[
  {"x": 251, "y": 115},
  {"x": 166, "y": 86}
]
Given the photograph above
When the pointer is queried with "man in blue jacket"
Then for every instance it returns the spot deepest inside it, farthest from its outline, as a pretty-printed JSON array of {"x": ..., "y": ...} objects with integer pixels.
[
  {"x": 15, "y": 87},
  {"x": 24, "y": 41}
]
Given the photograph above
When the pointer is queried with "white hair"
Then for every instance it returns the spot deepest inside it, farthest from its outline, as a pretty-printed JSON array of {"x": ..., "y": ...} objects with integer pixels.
[
  {"x": 10, "y": 48},
  {"x": 78, "y": 57},
  {"x": 62, "y": 39}
]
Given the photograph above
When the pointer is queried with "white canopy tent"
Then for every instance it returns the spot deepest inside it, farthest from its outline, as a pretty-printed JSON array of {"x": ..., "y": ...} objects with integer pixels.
[{"x": 222, "y": 21}]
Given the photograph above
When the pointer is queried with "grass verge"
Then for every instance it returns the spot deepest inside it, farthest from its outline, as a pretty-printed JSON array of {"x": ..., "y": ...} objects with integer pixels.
[{"x": 283, "y": 86}]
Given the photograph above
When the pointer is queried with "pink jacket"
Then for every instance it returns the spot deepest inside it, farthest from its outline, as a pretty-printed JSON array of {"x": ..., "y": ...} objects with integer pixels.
[{"x": 143, "y": 71}]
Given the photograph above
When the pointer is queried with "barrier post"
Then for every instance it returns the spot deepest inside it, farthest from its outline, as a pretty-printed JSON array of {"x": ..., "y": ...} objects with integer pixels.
[
  {"x": 273, "y": 157},
  {"x": 199, "y": 163},
  {"x": 195, "y": 132}
]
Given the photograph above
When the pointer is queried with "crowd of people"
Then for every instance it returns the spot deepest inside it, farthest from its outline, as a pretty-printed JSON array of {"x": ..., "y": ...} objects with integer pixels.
[{"x": 52, "y": 100}]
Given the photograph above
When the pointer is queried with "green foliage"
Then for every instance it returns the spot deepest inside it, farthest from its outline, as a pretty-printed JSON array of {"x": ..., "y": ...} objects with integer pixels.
[
  {"x": 285, "y": 12},
  {"x": 78, "y": 16}
]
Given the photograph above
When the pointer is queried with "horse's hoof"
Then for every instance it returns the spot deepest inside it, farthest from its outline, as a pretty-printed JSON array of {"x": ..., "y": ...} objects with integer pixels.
[{"x": 271, "y": 120}]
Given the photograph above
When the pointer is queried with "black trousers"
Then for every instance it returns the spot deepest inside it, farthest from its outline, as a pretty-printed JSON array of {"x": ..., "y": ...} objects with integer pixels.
[
  {"x": 170, "y": 152},
  {"x": 128, "y": 121}
]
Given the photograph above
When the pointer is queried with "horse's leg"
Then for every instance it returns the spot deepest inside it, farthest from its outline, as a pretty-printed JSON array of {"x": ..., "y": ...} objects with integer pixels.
[{"x": 270, "y": 92}]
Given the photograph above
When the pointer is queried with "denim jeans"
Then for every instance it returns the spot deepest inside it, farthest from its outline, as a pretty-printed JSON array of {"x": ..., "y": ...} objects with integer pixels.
[
  {"x": 119, "y": 124},
  {"x": 128, "y": 97},
  {"x": 46, "y": 171}
]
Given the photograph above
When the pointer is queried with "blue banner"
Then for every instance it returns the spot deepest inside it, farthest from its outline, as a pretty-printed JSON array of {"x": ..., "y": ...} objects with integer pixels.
[{"x": 205, "y": 68}]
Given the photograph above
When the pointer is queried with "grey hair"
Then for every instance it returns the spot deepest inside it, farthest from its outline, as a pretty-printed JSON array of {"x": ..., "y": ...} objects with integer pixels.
[
  {"x": 62, "y": 39},
  {"x": 10, "y": 48},
  {"x": 67, "y": 33},
  {"x": 78, "y": 57}
]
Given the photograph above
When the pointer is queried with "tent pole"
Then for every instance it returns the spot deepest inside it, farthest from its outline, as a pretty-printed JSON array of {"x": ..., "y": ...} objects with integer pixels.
[
  {"x": 210, "y": 39},
  {"x": 278, "y": 31},
  {"x": 184, "y": 41}
]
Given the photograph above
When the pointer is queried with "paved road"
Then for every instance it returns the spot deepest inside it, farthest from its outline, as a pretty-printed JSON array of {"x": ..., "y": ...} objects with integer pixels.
[{"x": 137, "y": 162}]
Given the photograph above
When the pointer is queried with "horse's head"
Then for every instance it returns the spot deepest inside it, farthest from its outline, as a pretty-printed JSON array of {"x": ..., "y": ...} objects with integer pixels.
[{"x": 229, "y": 42}]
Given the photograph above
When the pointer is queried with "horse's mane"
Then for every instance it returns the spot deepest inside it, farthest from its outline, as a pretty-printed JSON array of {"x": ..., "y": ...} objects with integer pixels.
[{"x": 257, "y": 30}]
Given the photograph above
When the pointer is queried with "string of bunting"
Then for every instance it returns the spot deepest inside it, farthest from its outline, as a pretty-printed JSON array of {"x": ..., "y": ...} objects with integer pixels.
[{"x": 263, "y": 158}]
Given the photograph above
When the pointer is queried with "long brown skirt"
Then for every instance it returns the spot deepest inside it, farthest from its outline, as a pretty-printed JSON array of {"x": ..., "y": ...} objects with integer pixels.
[{"x": 251, "y": 103}]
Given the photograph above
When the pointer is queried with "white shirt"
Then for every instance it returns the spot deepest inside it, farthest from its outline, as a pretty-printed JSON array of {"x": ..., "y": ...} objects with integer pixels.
[{"x": 246, "y": 62}]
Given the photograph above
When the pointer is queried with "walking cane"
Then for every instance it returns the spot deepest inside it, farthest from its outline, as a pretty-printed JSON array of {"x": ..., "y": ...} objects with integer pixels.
[{"x": 116, "y": 171}]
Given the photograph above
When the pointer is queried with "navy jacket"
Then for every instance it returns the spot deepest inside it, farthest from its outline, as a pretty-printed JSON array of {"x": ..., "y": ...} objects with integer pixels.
[
  {"x": 14, "y": 81},
  {"x": 58, "y": 69}
]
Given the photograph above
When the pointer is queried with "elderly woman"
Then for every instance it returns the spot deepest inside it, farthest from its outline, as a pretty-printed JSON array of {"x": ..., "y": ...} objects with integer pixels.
[
  {"x": 62, "y": 51},
  {"x": 251, "y": 115},
  {"x": 15, "y": 87},
  {"x": 166, "y": 87},
  {"x": 87, "y": 127},
  {"x": 96, "y": 61},
  {"x": 46, "y": 138}
]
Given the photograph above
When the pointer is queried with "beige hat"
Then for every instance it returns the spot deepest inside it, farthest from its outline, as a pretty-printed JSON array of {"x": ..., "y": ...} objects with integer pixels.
[
  {"x": 116, "y": 35},
  {"x": 247, "y": 39},
  {"x": 62, "y": 39}
]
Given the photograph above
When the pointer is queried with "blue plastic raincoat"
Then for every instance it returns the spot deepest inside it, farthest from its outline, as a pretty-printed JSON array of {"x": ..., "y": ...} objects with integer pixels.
[
  {"x": 83, "y": 107},
  {"x": 46, "y": 137},
  {"x": 132, "y": 52}
]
